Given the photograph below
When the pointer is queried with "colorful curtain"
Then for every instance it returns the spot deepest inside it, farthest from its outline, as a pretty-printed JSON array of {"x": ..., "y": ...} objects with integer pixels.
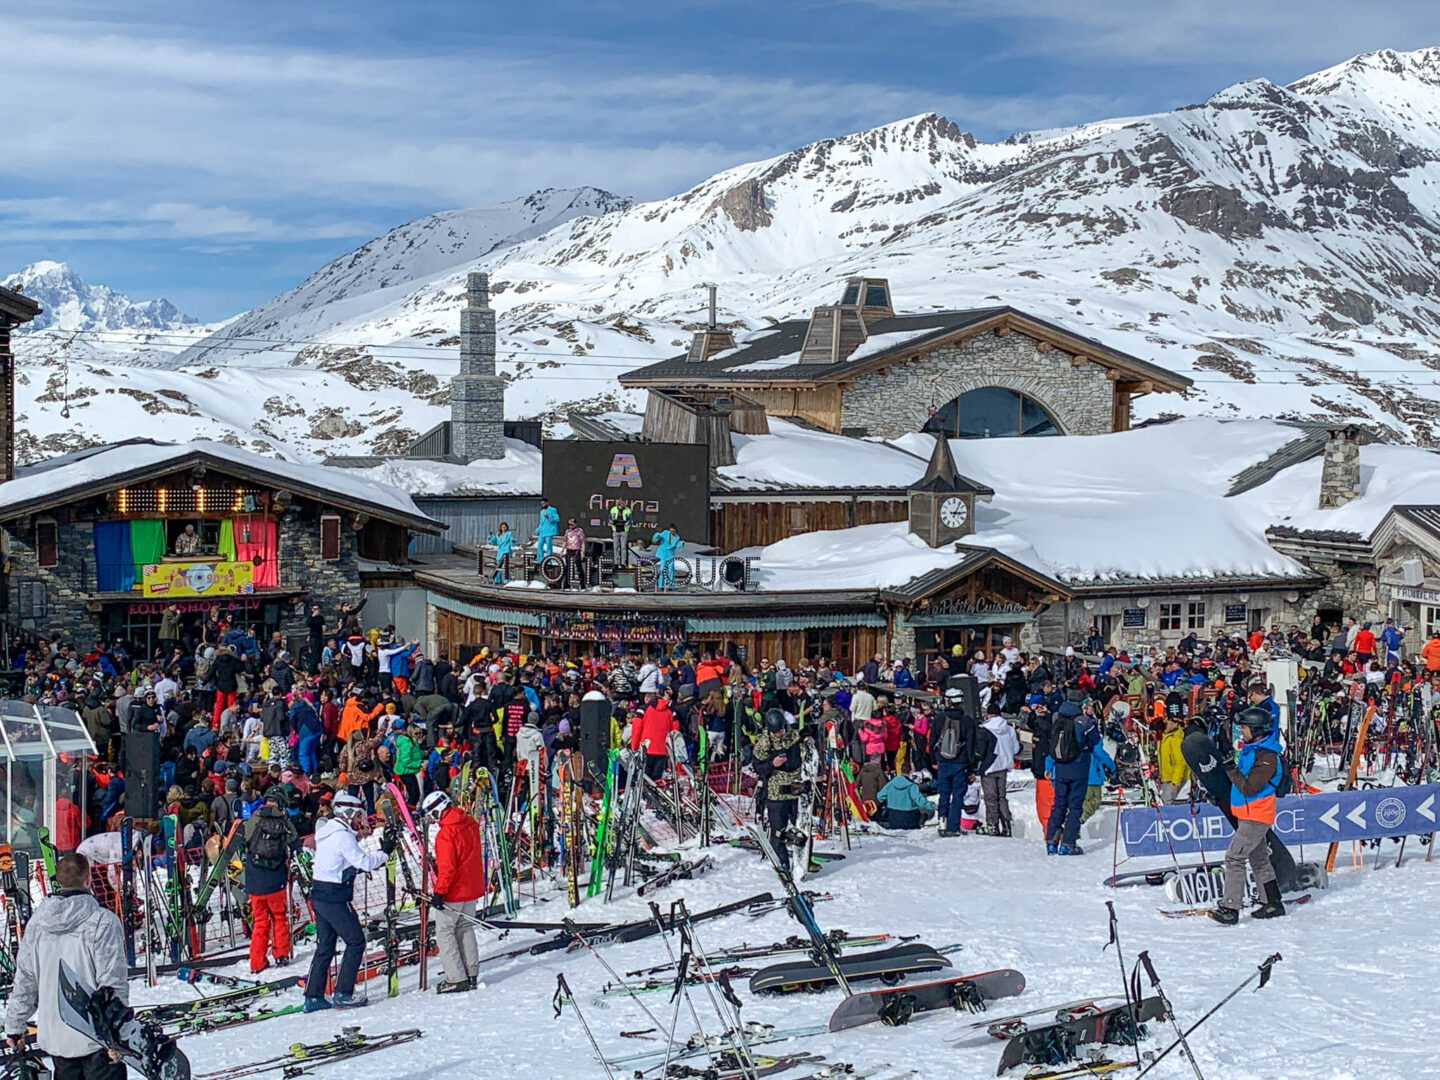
[
  {"x": 114, "y": 565},
  {"x": 226, "y": 546},
  {"x": 147, "y": 544},
  {"x": 256, "y": 541}
]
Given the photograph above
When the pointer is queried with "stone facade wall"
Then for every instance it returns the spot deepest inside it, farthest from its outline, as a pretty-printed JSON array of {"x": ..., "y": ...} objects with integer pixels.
[
  {"x": 1069, "y": 624},
  {"x": 1079, "y": 399},
  {"x": 324, "y": 582},
  {"x": 1340, "y": 474}
]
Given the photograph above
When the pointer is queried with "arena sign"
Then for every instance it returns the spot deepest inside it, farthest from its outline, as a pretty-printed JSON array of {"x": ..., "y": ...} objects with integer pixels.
[
  {"x": 717, "y": 573},
  {"x": 1299, "y": 819},
  {"x": 662, "y": 483}
]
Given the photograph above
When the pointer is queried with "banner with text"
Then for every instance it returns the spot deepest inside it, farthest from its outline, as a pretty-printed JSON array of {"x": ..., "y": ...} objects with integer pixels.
[{"x": 1299, "y": 819}]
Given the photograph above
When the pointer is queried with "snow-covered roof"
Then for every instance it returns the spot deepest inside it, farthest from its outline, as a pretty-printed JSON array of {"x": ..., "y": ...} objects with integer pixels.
[
  {"x": 517, "y": 473},
  {"x": 60, "y": 480},
  {"x": 1146, "y": 506},
  {"x": 794, "y": 456}
]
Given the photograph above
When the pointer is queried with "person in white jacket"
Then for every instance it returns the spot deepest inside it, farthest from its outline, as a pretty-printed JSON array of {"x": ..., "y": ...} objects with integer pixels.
[
  {"x": 69, "y": 926},
  {"x": 997, "y": 771},
  {"x": 338, "y": 858}
]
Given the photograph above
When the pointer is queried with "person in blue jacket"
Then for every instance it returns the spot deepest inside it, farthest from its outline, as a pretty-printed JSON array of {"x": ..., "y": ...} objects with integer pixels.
[
  {"x": 548, "y": 529},
  {"x": 904, "y": 678},
  {"x": 905, "y": 806},
  {"x": 1071, "y": 780},
  {"x": 667, "y": 545},
  {"x": 504, "y": 541},
  {"x": 305, "y": 722}
]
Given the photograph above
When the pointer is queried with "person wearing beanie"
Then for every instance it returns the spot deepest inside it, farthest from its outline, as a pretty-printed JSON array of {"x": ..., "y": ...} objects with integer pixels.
[{"x": 409, "y": 760}]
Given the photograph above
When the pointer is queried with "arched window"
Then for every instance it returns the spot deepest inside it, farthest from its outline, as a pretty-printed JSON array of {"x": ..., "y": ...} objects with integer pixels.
[{"x": 991, "y": 412}]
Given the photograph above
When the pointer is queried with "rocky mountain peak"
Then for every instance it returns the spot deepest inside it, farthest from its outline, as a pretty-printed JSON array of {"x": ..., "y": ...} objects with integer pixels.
[{"x": 71, "y": 303}]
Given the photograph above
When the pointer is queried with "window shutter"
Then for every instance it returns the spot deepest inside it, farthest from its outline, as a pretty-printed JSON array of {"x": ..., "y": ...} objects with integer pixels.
[
  {"x": 47, "y": 549},
  {"x": 330, "y": 537}
]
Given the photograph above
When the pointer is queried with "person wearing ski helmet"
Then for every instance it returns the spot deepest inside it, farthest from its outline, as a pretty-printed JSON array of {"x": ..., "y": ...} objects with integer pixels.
[
  {"x": 952, "y": 745},
  {"x": 777, "y": 764},
  {"x": 1254, "y": 781},
  {"x": 338, "y": 858},
  {"x": 458, "y": 883}
]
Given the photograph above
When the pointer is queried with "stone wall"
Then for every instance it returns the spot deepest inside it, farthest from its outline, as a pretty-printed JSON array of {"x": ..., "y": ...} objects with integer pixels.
[
  {"x": 1079, "y": 399},
  {"x": 1069, "y": 624},
  {"x": 324, "y": 582},
  {"x": 1340, "y": 473},
  {"x": 66, "y": 585}
]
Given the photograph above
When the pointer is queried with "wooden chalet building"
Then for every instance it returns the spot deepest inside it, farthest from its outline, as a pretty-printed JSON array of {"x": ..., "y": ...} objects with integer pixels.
[{"x": 101, "y": 541}]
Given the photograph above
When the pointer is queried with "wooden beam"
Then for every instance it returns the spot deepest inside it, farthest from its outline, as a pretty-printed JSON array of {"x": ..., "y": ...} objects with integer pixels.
[
  {"x": 1043, "y": 346},
  {"x": 1002, "y": 331},
  {"x": 1113, "y": 375},
  {"x": 1079, "y": 360}
]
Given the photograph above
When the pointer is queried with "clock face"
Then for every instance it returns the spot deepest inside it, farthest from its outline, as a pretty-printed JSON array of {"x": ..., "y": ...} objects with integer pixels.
[{"x": 954, "y": 513}]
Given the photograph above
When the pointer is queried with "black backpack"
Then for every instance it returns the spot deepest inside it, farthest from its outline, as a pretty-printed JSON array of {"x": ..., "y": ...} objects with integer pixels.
[
  {"x": 1065, "y": 742},
  {"x": 268, "y": 847}
]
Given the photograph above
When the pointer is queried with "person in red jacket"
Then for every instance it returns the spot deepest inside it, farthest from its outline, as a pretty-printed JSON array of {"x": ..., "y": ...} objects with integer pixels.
[
  {"x": 651, "y": 731},
  {"x": 459, "y": 881},
  {"x": 1365, "y": 644}
]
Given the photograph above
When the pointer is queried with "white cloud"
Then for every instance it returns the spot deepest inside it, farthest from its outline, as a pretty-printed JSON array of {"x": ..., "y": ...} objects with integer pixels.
[
  {"x": 224, "y": 124},
  {"x": 1307, "y": 33},
  {"x": 60, "y": 218}
]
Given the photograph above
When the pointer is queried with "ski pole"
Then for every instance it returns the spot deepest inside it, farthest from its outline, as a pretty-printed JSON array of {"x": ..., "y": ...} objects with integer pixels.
[
  {"x": 563, "y": 993},
  {"x": 1262, "y": 973},
  {"x": 1124, "y": 978},
  {"x": 1155, "y": 983}
]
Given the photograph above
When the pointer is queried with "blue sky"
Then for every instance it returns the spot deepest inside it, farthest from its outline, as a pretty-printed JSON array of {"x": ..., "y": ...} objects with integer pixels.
[{"x": 216, "y": 153}]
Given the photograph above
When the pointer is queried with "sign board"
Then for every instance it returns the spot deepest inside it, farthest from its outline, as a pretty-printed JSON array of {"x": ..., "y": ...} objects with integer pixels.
[
  {"x": 1299, "y": 819},
  {"x": 510, "y": 638},
  {"x": 663, "y": 483},
  {"x": 197, "y": 578},
  {"x": 1236, "y": 613},
  {"x": 1133, "y": 618}
]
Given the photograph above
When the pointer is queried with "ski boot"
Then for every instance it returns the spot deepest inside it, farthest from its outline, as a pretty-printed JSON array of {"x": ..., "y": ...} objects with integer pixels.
[
  {"x": 348, "y": 1001},
  {"x": 1272, "y": 908},
  {"x": 316, "y": 1004},
  {"x": 454, "y": 987},
  {"x": 1225, "y": 916},
  {"x": 1070, "y": 849},
  {"x": 1052, "y": 849}
]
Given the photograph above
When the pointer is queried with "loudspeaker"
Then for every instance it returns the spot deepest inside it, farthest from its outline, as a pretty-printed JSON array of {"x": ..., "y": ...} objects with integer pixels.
[
  {"x": 142, "y": 774},
  {"x": 970, "y": 699},
  {"x": 595, "y": 738}
]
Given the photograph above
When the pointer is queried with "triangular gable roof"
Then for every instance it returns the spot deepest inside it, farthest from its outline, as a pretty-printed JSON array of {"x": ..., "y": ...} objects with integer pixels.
[
  {"x": 978, "y": 558},
  {"x": 765, "y": 359},
  {"x": 97, "y": 470}
]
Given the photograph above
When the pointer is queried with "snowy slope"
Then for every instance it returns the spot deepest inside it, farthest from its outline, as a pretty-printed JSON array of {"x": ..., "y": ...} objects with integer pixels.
[
  {"x": 1276, "y": 244},
  {"x": 1341, "y": 1005}
]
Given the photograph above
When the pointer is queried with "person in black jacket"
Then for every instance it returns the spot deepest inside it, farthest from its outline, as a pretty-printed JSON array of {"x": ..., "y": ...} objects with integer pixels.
[
  {"x": 224, "y": 669},
  {"x": 269, "y": 839},
  {"x": 316, "y": 625},
  {"x": 952, "y": 742}
]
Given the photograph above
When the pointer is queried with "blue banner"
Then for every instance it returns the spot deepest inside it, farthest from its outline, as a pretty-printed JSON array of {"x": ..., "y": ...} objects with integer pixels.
[{"x": 1299, "y": 819}]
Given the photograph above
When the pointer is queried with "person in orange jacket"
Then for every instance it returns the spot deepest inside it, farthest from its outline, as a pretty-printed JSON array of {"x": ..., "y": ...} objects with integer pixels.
[
  {"x": 652, "y": 731},
  {"x": 1430, "y": 651},
  {"x": 458, "y": 883}
]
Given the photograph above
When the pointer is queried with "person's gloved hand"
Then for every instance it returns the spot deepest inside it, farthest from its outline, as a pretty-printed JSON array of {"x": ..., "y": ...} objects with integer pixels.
[
  {"x": 437, "y": 901},
  {"x": 387, "y": 842}
]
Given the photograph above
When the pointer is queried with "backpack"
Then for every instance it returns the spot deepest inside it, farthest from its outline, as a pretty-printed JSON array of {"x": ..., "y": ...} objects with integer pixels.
[
  {"x": 1065, "y": 741},
  {"x": 947, "y": 747},
  {"x": 267, "y": 847}
]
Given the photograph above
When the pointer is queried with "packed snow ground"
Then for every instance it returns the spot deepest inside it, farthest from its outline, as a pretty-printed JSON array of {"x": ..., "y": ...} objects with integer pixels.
[{"x": 1348, "y": 1002}]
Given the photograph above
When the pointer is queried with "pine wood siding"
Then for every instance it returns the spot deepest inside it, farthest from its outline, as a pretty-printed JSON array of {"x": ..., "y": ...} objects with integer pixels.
[{"x": 749, "y": 524}]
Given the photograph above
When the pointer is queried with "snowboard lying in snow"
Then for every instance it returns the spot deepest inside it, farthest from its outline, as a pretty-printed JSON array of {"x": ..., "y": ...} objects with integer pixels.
[
  {"x": 1055, "y": 1044},
  {"x": 1206, "y": 886},
  {"x": 896, "y": 1005},
  {"x": 889, "y": 964}
]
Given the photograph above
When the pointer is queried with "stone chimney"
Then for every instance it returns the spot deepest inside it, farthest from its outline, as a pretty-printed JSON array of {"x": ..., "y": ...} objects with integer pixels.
[
  {"x": 477, "y": 394},
  {"x": 1340, "y": 475}
]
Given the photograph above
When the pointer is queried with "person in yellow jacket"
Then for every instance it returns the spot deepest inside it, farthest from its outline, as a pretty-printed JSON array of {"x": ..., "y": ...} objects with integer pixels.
[{"x": 1173, "y": 770}]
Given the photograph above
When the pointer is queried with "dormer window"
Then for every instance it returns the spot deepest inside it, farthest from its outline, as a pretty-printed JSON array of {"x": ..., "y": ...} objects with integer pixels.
[
  {"x": 852, "y": 295},
  {"x": 877, "y": 294}
]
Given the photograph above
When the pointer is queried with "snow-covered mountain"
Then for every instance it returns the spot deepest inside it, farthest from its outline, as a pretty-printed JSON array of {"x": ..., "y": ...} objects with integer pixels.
[
  {"x": 1279, "y": 245},
  {"x": 70, "y": 303}
]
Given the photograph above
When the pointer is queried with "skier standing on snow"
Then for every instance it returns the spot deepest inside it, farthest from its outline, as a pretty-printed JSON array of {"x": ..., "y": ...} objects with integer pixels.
[
  {"x": 1255, "y": 780},
  {"x": 777, "y": 764},
  {"x": 338, "y": 859},
  {"x": 269, "y": 839},
  {"x": 1074, "y": 738},
  {"x": 70, "y": 926},
  {"x": 459, "y": 882},
  {"x": 953, "y": 745}
]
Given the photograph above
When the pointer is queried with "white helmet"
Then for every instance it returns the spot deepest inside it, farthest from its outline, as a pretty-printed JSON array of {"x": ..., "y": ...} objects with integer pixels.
[
  {"x": 345, "y": 804},
  {"x": 434, "y": 803}
]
